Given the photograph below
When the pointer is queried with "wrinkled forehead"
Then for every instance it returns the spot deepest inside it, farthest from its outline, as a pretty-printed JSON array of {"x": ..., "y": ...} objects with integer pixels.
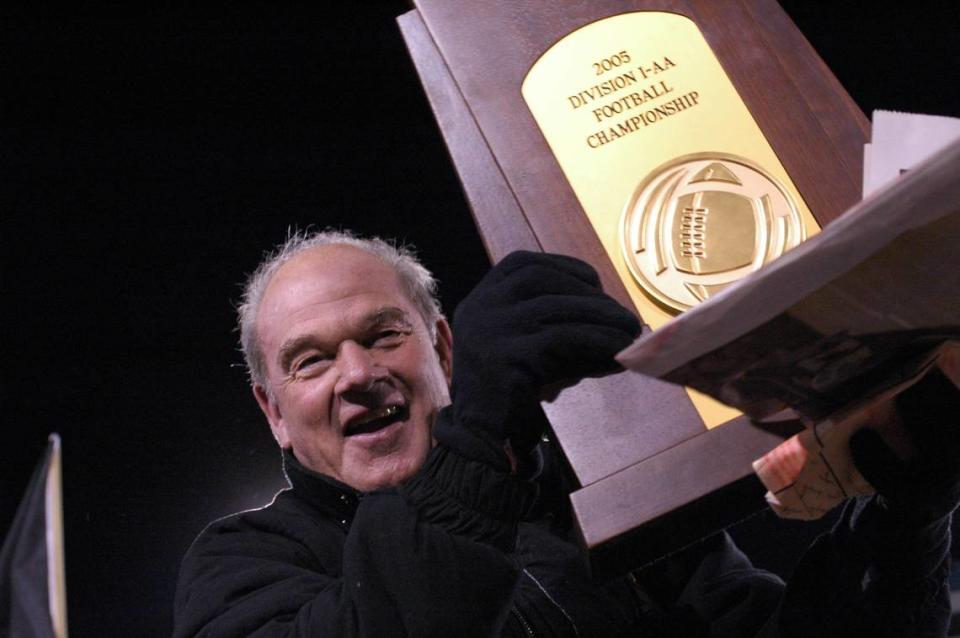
[{"x": 327, "y": 279}]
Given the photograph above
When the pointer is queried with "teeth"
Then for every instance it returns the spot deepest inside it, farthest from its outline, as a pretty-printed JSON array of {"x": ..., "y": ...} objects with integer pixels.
[{"x": 381, "y": 413}]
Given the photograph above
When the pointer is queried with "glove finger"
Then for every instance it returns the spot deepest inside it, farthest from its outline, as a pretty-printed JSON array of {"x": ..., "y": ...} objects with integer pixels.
[
  {"x": 877, "y": 462},
  {"x": 522, "y": 259},
  {"x": 572, "y": 351},
  {"x": 551, "y": 310},
  {"x": 538, "y": 280}
]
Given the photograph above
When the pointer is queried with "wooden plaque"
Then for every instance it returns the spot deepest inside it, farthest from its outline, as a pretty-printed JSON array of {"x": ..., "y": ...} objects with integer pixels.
[{"x": 653, "y": 476}]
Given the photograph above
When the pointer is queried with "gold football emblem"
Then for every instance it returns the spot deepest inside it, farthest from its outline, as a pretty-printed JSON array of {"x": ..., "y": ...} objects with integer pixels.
[{"x": 701, "y": 222}]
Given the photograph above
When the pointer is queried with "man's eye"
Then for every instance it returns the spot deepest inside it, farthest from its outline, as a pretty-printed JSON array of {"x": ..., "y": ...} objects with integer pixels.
[
  {"x": 310, "y": 363},
  {"x": 388, "y": 338}
]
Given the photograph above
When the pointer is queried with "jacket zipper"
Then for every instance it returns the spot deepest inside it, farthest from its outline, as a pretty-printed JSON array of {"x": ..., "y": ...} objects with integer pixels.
[
  {"x": 550, "y": 598},
  {"x": 523, "y": 621}
]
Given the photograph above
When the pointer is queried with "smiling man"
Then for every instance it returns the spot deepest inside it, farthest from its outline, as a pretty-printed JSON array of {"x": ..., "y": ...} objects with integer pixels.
[
  {"x": 353, "y": 373},
  {"x": 422, "y": 503}
]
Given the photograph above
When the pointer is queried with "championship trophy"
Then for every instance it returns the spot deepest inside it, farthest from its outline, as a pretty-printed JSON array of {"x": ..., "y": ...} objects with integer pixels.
[{"x": 674, "y": 145}]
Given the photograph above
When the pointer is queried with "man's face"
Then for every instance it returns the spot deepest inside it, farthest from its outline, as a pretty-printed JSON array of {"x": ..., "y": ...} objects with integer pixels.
[{"x": 356, "y": 379}]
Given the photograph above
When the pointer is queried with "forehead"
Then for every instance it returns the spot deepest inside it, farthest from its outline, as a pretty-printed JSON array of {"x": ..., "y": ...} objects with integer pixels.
[{"x": 328, "y": 282}]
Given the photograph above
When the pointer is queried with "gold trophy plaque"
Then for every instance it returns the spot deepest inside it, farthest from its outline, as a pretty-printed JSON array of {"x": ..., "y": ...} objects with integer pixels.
[{"x": 629, "y": 104}]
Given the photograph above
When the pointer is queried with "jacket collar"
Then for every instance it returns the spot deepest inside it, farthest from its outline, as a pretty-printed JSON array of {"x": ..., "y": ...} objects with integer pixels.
[{"x": 337, "y": 500}]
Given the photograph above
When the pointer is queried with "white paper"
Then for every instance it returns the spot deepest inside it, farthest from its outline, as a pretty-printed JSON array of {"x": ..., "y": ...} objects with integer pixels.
[{"x": 900, "y": 141}]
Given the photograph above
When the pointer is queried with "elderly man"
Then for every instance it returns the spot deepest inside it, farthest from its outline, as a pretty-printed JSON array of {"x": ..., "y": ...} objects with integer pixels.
[{"x": 407, "y": 516}]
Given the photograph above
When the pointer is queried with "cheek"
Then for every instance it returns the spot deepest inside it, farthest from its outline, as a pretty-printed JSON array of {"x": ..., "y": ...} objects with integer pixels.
[
  {"x": 309, "y": 401},
  {"x": 434, "y": 382},
  {"x": 442, "y": 396}
]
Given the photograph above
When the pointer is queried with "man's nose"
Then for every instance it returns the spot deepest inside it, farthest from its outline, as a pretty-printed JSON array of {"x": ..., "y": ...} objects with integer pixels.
[{"x": 358, "y": 370}]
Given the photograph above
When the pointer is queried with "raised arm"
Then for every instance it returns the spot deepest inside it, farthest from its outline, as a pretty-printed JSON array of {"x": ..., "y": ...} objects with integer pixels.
[{"x": 435, "y": 556}]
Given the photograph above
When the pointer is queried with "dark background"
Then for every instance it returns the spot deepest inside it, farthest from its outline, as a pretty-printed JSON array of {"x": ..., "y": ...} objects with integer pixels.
[{"x": 147, "y": 158}]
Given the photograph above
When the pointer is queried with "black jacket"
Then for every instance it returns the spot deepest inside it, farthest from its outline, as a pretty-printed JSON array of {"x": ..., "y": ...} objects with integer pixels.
[{"x": 451, "y": 554}]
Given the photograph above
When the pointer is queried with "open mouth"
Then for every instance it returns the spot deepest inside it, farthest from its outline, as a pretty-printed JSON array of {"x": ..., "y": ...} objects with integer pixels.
[{"x": 377, "y": 420}]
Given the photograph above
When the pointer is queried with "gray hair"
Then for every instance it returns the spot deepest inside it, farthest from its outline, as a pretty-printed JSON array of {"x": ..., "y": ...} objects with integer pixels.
[{"x": 418, "y": 284}]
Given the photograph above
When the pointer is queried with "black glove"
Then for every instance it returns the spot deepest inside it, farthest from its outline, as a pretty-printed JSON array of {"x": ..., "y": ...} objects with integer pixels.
[
  {"x": 534, "y": 323},
  {"x": 926, "y": 488}
]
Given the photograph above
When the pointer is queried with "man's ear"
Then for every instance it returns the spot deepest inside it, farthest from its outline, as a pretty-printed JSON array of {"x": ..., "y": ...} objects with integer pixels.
[
  {"x": 271, "y": 410},
  {"x": 444, "y": 347}
]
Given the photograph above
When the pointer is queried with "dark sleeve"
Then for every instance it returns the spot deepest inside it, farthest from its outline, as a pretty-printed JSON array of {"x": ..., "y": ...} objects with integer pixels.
[
  {"x": 870, "y": 577},
  {"x": 429, "y": 559},
  {"x": 883, "y": 569},
  {"x": 725, "y": 595},
  {"x": 867, "y": 577}
]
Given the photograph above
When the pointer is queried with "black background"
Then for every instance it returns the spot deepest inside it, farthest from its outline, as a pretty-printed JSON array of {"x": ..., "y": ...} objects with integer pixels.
[{"x": 148, "y": 157}]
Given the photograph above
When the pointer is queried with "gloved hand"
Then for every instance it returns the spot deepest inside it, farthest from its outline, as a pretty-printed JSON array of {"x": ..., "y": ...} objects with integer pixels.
[
  {"x": 534, "y": 323},
  {"x": 927, "y": 487}
]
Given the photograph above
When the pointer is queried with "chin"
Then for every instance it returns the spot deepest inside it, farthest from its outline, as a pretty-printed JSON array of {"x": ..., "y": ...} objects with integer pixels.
[
  {"x": 382, "y": 482},
  {"x": 392, "y": 473}
]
